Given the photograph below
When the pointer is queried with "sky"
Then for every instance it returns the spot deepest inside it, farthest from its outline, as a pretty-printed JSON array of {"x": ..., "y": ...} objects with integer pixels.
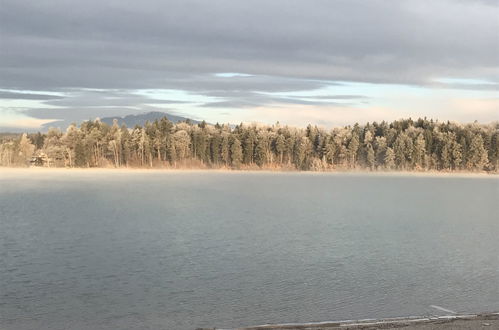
[{"x": 324, "y": 62}]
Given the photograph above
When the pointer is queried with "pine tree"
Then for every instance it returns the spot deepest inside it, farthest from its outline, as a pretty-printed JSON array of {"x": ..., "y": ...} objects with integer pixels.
[
  {"x": 280, "y": 147},
  {"x": 249, "y": 146},
  {"x": 389, "y": 158},
  {"x": 371, "y": 160},
  {"x": 477, "y": 154},
  {"x": 353, "y": 147},
  {"x": 403, "y": 144},
  {"x": 330, "y": 151},
  {"x": 419, "y": 152},
  {"x": 236, "y": 152},
  {"x": 225, "y": 148},
  {"x": 26, "y": 148}
]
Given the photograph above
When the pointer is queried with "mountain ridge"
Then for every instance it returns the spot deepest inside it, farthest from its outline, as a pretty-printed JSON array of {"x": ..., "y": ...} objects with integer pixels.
[{"x": 140, "y": 119}]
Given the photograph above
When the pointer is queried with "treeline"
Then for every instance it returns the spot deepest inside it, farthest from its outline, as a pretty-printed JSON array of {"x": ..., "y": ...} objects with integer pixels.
[{"x": 401, "y": 145}]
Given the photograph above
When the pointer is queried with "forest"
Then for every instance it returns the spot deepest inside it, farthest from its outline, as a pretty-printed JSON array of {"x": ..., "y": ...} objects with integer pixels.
[{"x": 402, "y": 145}]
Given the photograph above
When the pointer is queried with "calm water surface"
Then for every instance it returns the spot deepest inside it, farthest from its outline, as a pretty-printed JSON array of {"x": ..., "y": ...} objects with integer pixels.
[{"x": 117, "y": 250}]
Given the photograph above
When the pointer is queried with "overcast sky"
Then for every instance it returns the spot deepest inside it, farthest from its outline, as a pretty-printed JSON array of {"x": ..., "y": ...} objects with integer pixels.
[{"x": 323, "y": 62}]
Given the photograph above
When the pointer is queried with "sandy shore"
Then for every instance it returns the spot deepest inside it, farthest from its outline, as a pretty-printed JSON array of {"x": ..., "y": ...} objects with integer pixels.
[
  {"x": 5, "y": 171},
  {"x": 457, "y": 322}
]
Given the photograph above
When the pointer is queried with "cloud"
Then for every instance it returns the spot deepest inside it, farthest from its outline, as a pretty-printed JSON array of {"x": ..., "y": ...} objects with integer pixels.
[
  {"x": 482, "y": 110},
  {"x": 26, "y": 96},
  {"x": 62, "y": 117},
  {"x": 106, "y": 98},
  {"x": 127, "y": 44},
  {"x": 24, "y": 123},
  {"x": 326, "y": 115},
  {"x": 227, "y": 53},
  {"x": 333, "y": 97},
  {"x": 232, "y": 74},
  {"x": 461, "y": 110}
]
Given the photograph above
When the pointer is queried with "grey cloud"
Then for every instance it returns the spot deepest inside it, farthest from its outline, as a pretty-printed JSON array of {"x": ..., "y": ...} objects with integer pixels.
[
  {"x": 232, "y": 104},
  {"x": 286, "y": 45},
  {"x": 289, "y": 100},
  {"x": 106, "y": 98},
  {"x": 259, "y": 99},
  {"x": 79, "y": 105},
  {"x": 483, "y": 87},
  {"x": 78, "y": 114},
  {"x": 237, "y": 86},
  {"x": 130, "y": 44},
  {"x": 332, "y": 97},
  {"x": 27, "y": 96}
]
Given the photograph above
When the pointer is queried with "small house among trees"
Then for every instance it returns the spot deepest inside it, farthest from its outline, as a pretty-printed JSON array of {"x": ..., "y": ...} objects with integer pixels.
[{"x": 40, "y": 159}]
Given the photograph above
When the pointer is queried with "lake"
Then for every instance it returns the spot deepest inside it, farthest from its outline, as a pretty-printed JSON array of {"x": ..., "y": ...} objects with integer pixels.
[{"x": 180, "y": 250}]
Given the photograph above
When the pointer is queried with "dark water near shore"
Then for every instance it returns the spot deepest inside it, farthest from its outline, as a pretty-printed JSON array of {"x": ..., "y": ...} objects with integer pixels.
[{"x": 84, "y": 250}]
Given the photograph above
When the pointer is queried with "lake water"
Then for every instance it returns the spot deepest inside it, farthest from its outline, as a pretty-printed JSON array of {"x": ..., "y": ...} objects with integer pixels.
[{"x": 180, "y": 250}]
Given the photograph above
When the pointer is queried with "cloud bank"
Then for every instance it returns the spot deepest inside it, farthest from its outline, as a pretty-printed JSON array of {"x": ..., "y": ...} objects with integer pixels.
[{"x": 233, "y": 54}]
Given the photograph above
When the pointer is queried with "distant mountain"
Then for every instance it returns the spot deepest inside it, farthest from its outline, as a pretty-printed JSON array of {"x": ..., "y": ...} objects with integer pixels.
[{"x": 131, "y": 120}]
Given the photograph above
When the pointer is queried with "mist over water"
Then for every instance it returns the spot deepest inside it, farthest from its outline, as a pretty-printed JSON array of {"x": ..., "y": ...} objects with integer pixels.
[{"x": 180, "y": 250}]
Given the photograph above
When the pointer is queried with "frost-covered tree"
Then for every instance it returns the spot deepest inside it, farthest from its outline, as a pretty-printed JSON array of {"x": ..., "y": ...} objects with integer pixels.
[
  {"x": 402, "y": 144},
  {"x": 26, "y": 148},
  {"x": 280, "y": 147},
  {"x": 477, "y": 155},
  {"x": 182, "y": 141},
  {"x": 225, "y": 148},
  {"x": 236, "y": 152},
  {"x": 389, "y": 159}
]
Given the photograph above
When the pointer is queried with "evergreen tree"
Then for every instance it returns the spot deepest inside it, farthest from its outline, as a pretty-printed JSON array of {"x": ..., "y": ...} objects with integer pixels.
[
  {"x": 280, "y": 147},
  {"x": 389, "y": 158},
  {"x": 402, "y": 144},
  {"x": 371, "y": 159},
  {"x": 249, "y": 146},
  {"x": 225, "y": 148},
  {"x": 26, "y": 148},
  {"x": 477, "y": 155},
  {"x": 236, "y": 152},
  {"x": 419, "y": 152},
  {"x": 353, "y": 147}
]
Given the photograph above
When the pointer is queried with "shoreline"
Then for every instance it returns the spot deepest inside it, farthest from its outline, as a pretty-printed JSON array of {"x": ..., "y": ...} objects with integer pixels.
[
  {"x": 465, "y": 321},
  {"x": 99, "y": 170}
]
